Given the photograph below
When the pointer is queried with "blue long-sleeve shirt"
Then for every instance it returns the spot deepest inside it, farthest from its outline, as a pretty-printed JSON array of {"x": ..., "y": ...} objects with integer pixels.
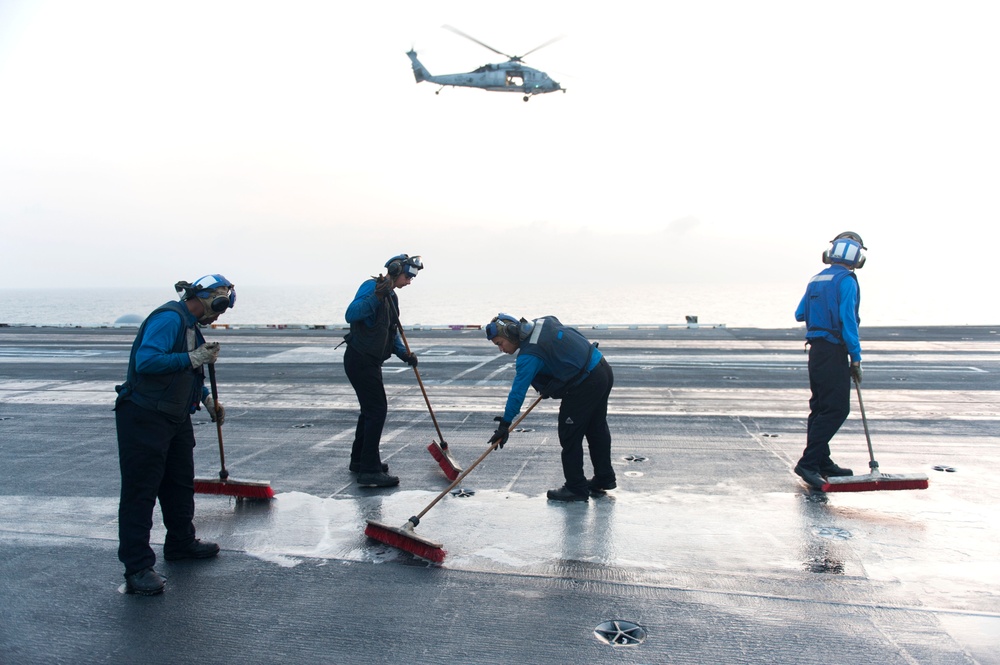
[
  {"x": 848, "y": 299},
  {"x": 364, "y": 308},
  {"x": 155, "y": 354},
  {"x": 527, "y": 367}
]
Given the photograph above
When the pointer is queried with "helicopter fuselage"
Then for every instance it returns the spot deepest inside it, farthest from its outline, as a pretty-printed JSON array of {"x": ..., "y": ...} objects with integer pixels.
[{"x": 508, "y": 76}]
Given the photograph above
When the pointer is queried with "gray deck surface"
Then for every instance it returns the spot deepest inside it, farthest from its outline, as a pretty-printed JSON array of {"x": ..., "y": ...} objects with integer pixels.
[{"x": 710, "y": 543}]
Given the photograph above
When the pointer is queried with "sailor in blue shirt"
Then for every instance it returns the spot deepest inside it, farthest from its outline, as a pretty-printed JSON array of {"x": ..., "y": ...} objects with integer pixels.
[
  {"x": 561, "y": 363},
  {"x": 830, "y": 309},
  {"x": 164, "y": 385},
  {"x": 374, "y": 336}
]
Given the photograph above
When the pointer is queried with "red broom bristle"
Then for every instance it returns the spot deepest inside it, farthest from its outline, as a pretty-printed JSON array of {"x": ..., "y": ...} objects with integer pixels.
[
  {"x": 412, "y": 544},
  {"x": 444, "y": 460},
  {"x": 239, "y": 489},
  {"x": 878, "y": 485}
]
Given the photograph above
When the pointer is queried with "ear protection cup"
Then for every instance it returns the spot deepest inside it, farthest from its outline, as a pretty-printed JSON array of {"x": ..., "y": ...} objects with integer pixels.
[
  {"x": 220, "y": 304},
  {"x": 394, "y": 268},
  {"x": 509, "y": 329}
]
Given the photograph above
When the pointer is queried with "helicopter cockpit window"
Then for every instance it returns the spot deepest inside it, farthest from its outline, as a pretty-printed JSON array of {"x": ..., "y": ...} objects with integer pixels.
[{"x": 515, "y": 79}]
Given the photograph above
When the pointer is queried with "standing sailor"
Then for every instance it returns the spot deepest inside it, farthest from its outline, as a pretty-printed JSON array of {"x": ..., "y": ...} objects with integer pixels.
[
  {"x": 163, "y": 387},
  {"x": 374, "y": 336},
  {"x": 830, "y": 309}
]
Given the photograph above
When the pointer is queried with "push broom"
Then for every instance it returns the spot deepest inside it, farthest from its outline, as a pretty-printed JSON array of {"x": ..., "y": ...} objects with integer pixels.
[
  {"x": 876, "y": 480},
  {"x": 405, "y": 538},
  {"x": 439, "y": 451},
  {"x": 241, "y": 489}
]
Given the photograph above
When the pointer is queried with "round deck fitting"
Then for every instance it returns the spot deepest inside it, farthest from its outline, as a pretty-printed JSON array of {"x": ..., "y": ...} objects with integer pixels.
[
  {"x": 832, "y": 533},
  {"x": 620, "y": 633}
]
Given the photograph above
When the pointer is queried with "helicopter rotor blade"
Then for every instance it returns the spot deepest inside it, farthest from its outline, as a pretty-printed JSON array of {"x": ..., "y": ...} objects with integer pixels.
[
  {"x": 459, "y": 32},
  {"x": 551, "y": 41}
]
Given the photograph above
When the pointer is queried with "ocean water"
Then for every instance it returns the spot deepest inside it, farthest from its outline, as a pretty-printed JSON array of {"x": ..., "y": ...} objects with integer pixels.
[{"x": 735, "y": 305}]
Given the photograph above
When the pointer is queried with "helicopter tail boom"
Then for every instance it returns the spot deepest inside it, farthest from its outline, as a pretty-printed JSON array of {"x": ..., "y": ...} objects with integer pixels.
[{"x": 420, "y": 72}]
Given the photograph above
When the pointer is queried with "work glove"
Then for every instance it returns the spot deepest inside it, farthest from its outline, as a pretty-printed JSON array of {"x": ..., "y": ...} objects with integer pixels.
[
  {"x": 383, "y": 287},
  {"x": 210, "y": 405},
  {"x": 856, "y": 372},
  {"x": 410, "y": 359},
  {"x": 502, "y": 432},
  {"x": 206, "y": 353}
]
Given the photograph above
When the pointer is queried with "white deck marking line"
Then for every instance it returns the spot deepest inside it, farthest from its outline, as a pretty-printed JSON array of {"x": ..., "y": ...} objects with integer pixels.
[{"x": 471, "y": 369}]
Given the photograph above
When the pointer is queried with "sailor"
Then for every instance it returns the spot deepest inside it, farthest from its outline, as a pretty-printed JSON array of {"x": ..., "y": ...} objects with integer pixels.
[
  {"x": 164, "y": 385},
  {"x": 374, "y": 336},
  {"x": 561, "y": 363},
  {"x": 830, "y": 309}
]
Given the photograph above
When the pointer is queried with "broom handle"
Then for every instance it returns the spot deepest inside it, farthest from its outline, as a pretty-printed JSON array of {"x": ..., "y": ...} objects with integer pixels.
[
  {"x": 399, "y": 326},
  {"x": 873, "y": 465},
  {"x": 223, "y": 474},
  {"x": 493, "y": 446}
]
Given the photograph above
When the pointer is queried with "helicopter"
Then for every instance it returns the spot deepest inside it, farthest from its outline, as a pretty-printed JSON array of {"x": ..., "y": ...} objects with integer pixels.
[{"x": 510, "y": 76}]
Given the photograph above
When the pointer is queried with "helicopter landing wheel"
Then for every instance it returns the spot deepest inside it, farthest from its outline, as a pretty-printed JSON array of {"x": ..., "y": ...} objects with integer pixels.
[{"x": 527, "y": 97}]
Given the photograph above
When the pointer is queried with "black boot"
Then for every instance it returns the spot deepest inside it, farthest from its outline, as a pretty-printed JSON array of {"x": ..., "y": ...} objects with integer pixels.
[
  {"x": 599, "y": 486},
  {"x": 146, "y": 582},
  {"x": 382, "y": 479},
  {"x": 355, "y": 467},
  {"x": 832, "y": 469},
  {"x": 196, "y": 550},
  {"x": 566, "y": 494},
  {"x": 811, "y": 476}
]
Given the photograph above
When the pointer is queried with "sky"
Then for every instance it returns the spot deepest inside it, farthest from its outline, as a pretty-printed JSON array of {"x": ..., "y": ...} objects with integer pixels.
[{"x": 143, "y": 142}]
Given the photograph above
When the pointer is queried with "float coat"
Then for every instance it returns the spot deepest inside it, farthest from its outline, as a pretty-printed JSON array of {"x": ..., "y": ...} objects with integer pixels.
[
  {"x": 563, "y": 351},
  {"x": 176, "y": 394}
]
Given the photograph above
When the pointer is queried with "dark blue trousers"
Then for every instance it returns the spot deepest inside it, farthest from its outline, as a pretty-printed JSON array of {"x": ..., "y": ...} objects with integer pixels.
[
  {"x": 156, "y": 457},
  {"x": 365, "y": 375},
  {"x": 830, "y": 403},
  {"x": 583, "y": 412}
]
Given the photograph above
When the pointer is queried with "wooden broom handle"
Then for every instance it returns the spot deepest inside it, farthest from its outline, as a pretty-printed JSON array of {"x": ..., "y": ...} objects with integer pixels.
[
  {"x": 493, "y": 446},
  {"x": 223, "y": 474},
  {"x": 399, "y": 327}
]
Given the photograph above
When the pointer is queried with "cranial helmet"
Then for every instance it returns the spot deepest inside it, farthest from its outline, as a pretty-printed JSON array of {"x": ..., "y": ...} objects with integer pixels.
[
  {"x": 209, "y": 289},
  {"x": 509, "y": 327},
  {"x": 404, "y": 263},
  {"x": 846, "y": 249},
  {"x": 851, "y": 235},
  {"x": 504, "y": 325}
]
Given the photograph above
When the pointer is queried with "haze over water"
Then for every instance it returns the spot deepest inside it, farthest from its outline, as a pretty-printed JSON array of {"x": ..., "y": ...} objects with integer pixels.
[{"x": 763, "y": 305}]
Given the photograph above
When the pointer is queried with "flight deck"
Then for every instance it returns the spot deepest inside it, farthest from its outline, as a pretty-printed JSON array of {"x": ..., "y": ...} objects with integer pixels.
[{"x": 709, "y": 551}]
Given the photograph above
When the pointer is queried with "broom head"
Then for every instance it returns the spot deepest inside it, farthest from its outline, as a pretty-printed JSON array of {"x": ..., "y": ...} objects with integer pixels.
[
  {"x": 445, "y": 460},
  {"x": 405, "y": 539},
  {"x": 872, "y": 482},
  {"x": 241, "y": 489}
]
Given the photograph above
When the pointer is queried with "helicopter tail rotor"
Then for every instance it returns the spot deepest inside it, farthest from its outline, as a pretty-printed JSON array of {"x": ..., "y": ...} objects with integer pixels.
[{"x": 420, "y": 72}]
